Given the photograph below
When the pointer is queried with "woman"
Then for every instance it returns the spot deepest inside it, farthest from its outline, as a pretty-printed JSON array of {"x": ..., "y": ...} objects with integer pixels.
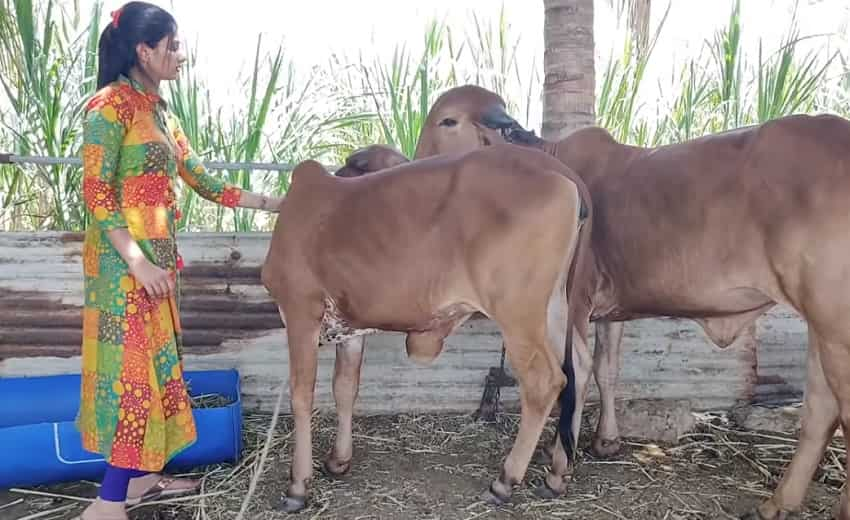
[{"x": 135, "y": 409}]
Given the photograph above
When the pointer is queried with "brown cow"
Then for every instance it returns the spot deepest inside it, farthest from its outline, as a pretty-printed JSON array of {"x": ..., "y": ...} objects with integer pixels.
[
  {"x": 438, "y": 240},
  {"x": 720, "y": 229}
]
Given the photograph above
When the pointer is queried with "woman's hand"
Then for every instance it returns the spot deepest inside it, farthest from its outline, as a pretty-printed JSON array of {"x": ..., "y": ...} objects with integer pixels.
[{"x": 157, "y": 281}]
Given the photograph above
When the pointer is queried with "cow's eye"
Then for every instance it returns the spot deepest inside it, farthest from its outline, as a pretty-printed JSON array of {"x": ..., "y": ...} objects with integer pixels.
[{"x": 449, "y": 122}]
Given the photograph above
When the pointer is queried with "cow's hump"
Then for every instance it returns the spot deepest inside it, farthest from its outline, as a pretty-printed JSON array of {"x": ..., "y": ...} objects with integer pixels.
[{"x": 307, "y": 171}]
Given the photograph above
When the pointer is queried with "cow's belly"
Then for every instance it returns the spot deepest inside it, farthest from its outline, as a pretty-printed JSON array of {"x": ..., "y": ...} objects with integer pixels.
[{"x": 708, "y": 296}]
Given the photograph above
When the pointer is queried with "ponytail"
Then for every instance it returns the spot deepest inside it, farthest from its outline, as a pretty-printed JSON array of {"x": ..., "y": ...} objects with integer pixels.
[
  {"x": 113, "y": 57},
  {"x": 134, "y": 23}
]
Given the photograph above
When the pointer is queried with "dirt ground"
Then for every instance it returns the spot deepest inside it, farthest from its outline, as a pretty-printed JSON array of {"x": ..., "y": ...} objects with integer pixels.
[{"x": 436, "y": 466}]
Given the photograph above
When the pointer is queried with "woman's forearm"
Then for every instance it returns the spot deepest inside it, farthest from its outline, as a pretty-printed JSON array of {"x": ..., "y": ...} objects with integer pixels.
[
  {"x": 256, "y": 201},
  {"x": 126, "y": 247}
]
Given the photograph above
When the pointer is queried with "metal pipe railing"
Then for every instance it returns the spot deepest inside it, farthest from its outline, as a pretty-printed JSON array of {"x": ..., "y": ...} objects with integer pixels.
[{"x": 8, "y": 158}]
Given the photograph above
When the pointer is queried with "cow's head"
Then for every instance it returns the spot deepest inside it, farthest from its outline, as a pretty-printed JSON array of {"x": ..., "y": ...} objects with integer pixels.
[
  {"x": 370, "y": 159},
  {"x": 464, "y": 118}
]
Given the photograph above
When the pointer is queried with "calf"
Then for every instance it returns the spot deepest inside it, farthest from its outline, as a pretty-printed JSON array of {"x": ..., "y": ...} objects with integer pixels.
[{"x": 494, "y": 231}]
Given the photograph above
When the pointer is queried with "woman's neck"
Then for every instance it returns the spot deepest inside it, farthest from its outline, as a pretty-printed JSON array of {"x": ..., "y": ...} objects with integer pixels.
[{"x": 151, "y": 85}]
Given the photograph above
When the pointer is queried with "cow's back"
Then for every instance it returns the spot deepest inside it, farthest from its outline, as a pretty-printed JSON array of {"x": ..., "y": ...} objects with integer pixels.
[
  {"x": 799, "y": 169},
  {"x": 678, "y": 225}
]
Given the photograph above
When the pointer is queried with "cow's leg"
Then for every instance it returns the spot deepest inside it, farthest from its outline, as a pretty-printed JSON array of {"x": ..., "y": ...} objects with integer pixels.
[
  {"x": 540, "y": 380},
  {"x": 819, "y": 420},
  {"x": 835, "y": 361},
  {"x": 346, "y": 384},
  {"x": 303, "y": 338},
  {"x": 606, "y": 365},
  {"x": 555, "y": 483}
]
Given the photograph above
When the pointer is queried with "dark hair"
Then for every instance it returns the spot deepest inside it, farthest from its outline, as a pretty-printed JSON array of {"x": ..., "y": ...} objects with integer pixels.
[{"x": 132, "y": 24}]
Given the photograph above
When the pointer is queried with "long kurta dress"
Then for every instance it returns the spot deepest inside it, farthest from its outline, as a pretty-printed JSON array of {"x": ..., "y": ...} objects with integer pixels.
[{"x": 135, "y": 409}]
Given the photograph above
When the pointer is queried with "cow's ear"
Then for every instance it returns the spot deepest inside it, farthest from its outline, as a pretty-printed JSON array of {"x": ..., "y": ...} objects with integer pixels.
[
  {"x": 358, "y": 159},
  {"x": 361, "y": 162}
]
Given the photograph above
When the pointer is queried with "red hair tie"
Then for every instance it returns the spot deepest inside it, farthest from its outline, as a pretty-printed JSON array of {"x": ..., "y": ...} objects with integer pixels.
[{"x": 115, "y": 15}]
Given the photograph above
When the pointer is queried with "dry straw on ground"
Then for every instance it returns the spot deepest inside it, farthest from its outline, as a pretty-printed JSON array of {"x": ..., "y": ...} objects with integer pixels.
[{"x": 435, "y": 466}]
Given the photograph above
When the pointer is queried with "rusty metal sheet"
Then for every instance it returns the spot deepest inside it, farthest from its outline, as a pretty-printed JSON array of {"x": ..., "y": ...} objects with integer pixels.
[{"x": 222, "y": 298}]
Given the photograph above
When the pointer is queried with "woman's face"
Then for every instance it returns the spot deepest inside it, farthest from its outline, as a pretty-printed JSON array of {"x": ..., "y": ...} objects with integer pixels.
[{"x": 163, "y": 62}]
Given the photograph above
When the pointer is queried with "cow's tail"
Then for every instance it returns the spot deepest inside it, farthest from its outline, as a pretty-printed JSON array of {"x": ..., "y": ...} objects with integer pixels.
[{"x": 578, "y": 311}]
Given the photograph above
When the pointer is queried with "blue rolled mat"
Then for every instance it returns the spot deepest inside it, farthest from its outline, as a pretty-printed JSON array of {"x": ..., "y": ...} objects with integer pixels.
[{"x": 40, "y": 444}]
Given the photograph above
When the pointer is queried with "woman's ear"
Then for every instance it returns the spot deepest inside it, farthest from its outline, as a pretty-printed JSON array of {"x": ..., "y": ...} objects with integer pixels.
[{"x": 143, "y": 53}]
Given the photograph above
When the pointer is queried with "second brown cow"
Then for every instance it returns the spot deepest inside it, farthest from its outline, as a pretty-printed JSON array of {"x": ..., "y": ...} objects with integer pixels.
[{"x": 720, "y": 229}]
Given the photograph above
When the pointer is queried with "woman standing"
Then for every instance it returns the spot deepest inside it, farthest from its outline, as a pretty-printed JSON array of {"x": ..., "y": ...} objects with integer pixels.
[{"x": 135, "y": 408}]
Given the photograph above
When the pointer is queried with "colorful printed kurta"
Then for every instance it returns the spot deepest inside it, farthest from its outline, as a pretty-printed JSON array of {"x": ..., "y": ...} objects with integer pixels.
[{"x": 135, "y": 409}]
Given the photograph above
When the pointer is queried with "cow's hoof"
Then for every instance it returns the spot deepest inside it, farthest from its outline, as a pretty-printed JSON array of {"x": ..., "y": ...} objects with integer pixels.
[
  {"x": 494, "y": 498},
  {"x": 335, "y": 468},
  {"x": 606, "y": 447},
  {"x": 546, "y": 492},
  {"x": 292, "y": 504}
]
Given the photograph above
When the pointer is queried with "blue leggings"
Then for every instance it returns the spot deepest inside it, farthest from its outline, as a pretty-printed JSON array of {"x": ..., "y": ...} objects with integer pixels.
[{"x": 113, "y": 488}]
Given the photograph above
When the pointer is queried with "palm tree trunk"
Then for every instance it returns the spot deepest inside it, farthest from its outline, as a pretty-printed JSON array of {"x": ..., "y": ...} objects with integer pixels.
[
  {"x": 568, "y": 67},
  {"x": 639, "y": 11}
]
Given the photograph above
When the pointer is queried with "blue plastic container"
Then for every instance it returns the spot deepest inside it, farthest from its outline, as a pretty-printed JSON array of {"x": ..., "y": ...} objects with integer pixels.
[{"x": 40, "y": 444}]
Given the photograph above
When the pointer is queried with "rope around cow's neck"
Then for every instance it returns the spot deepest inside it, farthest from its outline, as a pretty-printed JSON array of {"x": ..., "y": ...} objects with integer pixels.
[{"x": 256, "y": 478}]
